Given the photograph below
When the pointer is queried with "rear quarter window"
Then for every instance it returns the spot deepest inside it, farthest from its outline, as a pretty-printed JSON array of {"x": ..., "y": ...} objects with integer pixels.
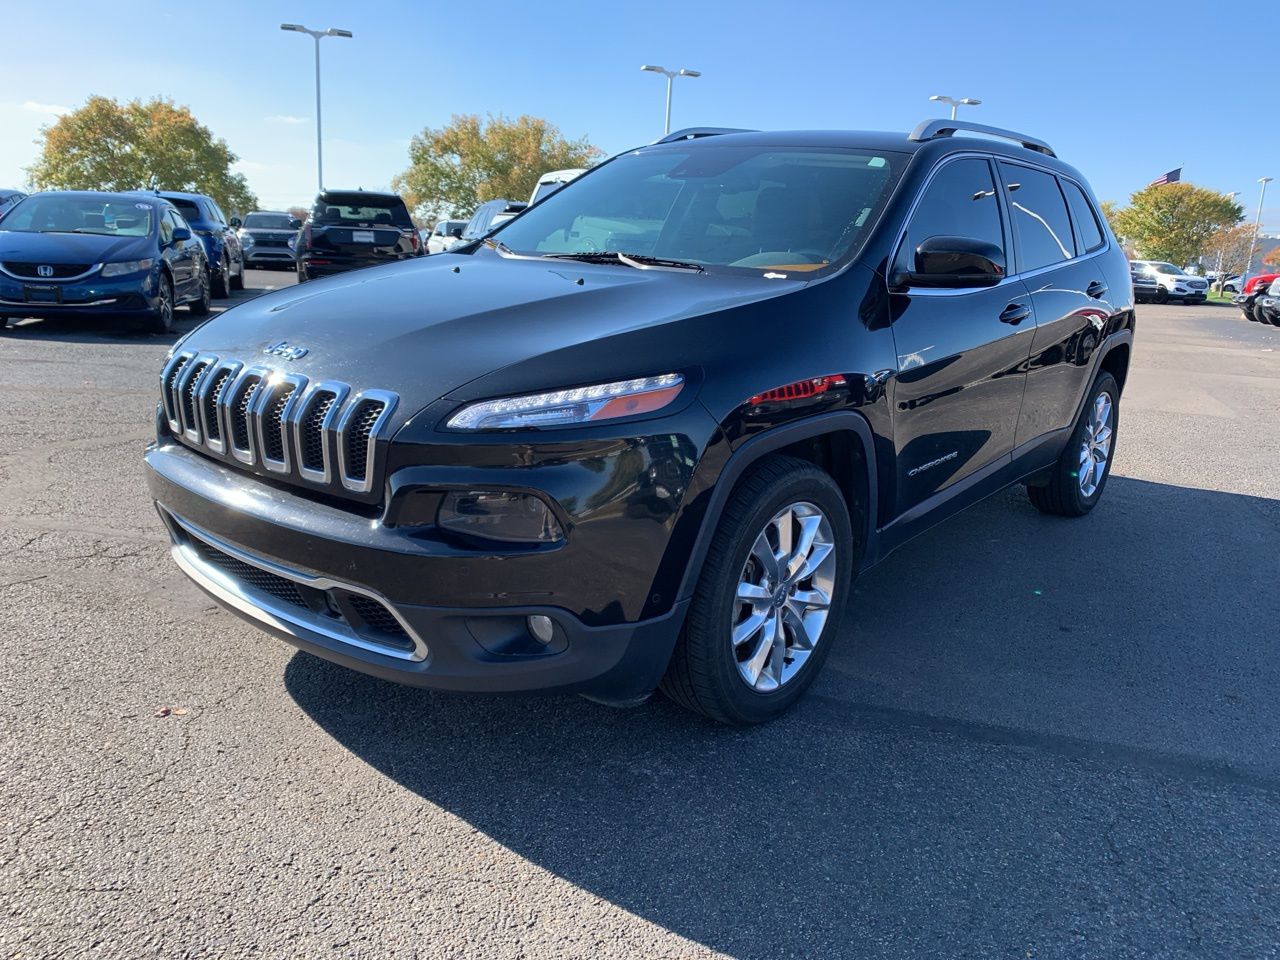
[{"x": 1088, "y": 229}]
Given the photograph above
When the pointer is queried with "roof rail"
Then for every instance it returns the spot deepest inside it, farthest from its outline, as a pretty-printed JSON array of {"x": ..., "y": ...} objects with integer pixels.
[
  {"x": 932, "y": 129},
  {"x": 695, "y": 133}
]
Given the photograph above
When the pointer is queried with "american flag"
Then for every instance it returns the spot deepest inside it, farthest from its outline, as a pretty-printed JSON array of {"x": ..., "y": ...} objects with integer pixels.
[{"x": 1173, "y": 176}]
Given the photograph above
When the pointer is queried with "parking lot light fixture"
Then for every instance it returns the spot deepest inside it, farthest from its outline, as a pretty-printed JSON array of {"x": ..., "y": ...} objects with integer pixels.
[
  {"x": 956, "y": 104},
  {"x": 670, "y": 75},
  {"x": 317, "y": 36},
  {"x": 1257, "y": 225}
]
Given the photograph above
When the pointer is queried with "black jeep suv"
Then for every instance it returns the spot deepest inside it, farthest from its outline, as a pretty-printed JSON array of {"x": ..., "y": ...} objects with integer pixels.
[{"x": 646, "y": 434}]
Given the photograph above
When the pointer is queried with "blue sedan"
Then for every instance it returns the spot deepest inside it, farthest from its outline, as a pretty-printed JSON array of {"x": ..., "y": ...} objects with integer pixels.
[{"x": 81, "y": 253}]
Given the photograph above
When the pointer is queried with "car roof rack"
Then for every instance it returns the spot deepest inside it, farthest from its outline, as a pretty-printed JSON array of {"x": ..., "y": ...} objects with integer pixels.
[
  {"x": 933, "y": 129},
  {"x": 695, "y": 133}
]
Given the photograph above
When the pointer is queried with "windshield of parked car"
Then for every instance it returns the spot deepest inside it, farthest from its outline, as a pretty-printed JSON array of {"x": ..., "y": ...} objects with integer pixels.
[
  {"x": 268, "y": 221},
  {"x": 1157, "y": 267},
  {"x": 337, "y": 209},
  {"x": 754, "y": 207},
  {"x": 50, "y": 213}
]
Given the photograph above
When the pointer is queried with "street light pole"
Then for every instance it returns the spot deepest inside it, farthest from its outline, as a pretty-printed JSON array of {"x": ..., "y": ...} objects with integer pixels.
[
  {"x": 671, "y": 76},
  {"x": 1257, "y": 224},
  {"x": 955, "y": 104},
  {"x": 317, "y": 36}
]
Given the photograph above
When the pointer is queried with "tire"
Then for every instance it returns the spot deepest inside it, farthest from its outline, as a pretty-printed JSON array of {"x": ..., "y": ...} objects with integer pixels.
[
  {"x": 1162, "y": 295},
  {"x": 717, "y": 651},
  {"x": 200, "y": 306},
  {"x": 1068, "y": 493},
  {"x": 221, "y": 285},
  {"x": 161, "y": 319},
  {"x": 1255, "y": 314}
]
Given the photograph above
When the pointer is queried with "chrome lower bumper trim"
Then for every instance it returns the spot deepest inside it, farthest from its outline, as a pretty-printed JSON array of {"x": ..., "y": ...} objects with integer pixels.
[{"x": 275, "y": 613}]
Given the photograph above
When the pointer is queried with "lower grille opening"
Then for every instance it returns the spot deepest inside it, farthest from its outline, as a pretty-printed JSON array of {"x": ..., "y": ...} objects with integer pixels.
[{"x": 363, "y": 616}]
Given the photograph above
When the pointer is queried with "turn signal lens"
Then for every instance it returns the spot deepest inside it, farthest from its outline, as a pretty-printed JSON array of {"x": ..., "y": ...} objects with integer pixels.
[
  {"x": 800, "y": 390},
  {"x": 499, "y": 515},
  {"x": 604, "y": 401}
]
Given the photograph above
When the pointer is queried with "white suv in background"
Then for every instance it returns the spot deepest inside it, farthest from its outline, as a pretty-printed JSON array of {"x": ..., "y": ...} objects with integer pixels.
[
  {"x": 549, "y": 183},
  {"x": 1173, "y": 283},
  {"x": 445, "y": 235}
]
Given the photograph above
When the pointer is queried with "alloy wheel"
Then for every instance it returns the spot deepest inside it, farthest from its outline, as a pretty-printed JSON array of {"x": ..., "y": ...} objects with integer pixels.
[
  {"x": 783, "y": 596},
  {"x": 1095, "y": 448}
]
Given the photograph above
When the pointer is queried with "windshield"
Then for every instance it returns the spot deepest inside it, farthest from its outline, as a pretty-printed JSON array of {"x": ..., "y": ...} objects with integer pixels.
[
  {"x": 361, "y": 210},
  {"x": 268, "y": 221},
  {"x": 51, "y": 213},
  {"x": 755, "y": 207},
  {"x": 1158, "y": 267}
]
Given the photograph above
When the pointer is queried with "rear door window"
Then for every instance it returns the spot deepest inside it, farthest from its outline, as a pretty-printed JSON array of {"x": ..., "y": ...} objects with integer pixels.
[
  {"x": 1039, "y": 217},
  {"x": 351, "y": 210}
]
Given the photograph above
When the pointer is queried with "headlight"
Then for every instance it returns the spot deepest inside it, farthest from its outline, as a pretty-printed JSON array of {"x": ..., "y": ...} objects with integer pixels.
[
  {"x": 126, "y": 267},
  {"x": 604, "y": 401},
  {"x": 246, "y": 240}
]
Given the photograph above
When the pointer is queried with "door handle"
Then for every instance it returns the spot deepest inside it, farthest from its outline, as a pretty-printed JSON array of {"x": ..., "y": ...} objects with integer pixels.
[
  {"x": 1015, "y": 313},
  {"x": 1097, "y": 290}
]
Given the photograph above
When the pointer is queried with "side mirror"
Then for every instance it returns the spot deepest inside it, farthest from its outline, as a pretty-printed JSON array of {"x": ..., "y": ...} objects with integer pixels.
[
  {"x": 295, "y": 223},
  {"x": 180, "y": 234},
  {"x": 956, "y": 262},
  {"x": 236, "y": 223},
  {"x": 456, "y": 233}
]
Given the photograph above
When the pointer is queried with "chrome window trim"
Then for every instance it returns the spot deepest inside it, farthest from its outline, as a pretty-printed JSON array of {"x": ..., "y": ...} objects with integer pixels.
[
  {"x": 79, "y": 276},
  {"x": 389, "y": 400},
  {"x": 220, "y": 445},
  {"x": 267, "y": 609},
  {"x": 328, "y": 431},
  {"x": 262, "y": 402}
]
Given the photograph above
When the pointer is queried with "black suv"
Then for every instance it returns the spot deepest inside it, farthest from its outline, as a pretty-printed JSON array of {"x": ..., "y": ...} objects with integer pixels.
[
  {"x": 647, "y": 433},
  {"x": 348, "y": 229}
]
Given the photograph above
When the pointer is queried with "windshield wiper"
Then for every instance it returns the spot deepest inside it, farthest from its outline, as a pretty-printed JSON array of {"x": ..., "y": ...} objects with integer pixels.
[{"x": 641, "y": 261}]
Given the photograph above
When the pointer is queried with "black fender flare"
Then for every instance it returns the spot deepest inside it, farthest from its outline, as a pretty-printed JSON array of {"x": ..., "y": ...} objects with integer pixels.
[{"x": 761, "y": 445}]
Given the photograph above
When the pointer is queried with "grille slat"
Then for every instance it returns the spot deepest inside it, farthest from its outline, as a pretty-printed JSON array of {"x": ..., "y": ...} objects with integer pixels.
[
  {"x": 273, "y": 425},
  {"x": 190, "y": 412},
  {"x": 240, "y": 413},
  {"x": 312, "y": 456},
  {"x": 213, "y": 425},
  {"x": 359, "y": 430}
]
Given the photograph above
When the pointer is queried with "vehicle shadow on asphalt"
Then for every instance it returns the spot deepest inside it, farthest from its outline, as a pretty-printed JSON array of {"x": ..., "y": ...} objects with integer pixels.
[{"x": 1020, "y": 709}]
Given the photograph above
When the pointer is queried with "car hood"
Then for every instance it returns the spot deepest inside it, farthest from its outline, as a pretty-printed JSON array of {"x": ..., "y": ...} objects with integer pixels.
[
  {"x": 54, "y": 248},
  {"x": 425, "y": 327}
]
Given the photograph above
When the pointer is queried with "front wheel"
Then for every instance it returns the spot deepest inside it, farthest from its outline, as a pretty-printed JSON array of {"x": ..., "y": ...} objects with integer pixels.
[
  {"x": 161, "y": 318},
  {"x": 1162, "y": 295},
  {"x": 221, "y": 287},
  {"x": 1076, "y": 483},
  {"x": 769, "y": 598},
  {"x": 202, "y": 304}
]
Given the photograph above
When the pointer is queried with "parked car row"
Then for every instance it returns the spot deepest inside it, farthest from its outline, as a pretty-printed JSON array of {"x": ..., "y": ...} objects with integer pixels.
[
  {"x": 76, "y": 253},
  {"x": 1162, "y": 282},
  {"x": 1258, "y": 300}
]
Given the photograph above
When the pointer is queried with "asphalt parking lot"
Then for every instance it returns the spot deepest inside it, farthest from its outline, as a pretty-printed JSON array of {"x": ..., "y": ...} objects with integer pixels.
[{"x": 1036, "y": 737}]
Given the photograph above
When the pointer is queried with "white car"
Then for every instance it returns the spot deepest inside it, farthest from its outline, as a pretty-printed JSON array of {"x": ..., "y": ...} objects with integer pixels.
[
  {"x": 445, "y": 235},
  {"x": 1173, "y": 283},
  {"x": 549, "y": 183}
]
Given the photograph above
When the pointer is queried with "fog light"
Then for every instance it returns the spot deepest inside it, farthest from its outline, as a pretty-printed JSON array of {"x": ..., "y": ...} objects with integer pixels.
[
  {"x": 541, "y": 629},
  {"x": 498, "y": 515}
]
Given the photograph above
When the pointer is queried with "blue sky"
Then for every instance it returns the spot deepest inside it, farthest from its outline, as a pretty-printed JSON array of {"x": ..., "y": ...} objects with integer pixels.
[{"x": 1104, "y": 83}]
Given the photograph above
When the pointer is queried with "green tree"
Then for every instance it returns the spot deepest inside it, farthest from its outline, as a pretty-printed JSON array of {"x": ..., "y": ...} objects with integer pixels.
[
  {"x": 106, "y": 145},
  {"x": 456, "y": 168},
  {"x": 1175, "y": 221}
]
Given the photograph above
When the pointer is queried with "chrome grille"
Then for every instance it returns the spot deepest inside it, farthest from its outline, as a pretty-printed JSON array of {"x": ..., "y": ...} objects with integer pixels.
[{"x": 321, "y": 433}]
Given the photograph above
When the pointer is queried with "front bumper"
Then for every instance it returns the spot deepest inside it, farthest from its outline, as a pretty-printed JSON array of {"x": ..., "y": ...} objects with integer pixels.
[
  {"x": 1186, "y": 293},
  {"x": 123, "y": 295},
  {"x": 409, "y": 606},
  {"x": 273, "y": 255}
]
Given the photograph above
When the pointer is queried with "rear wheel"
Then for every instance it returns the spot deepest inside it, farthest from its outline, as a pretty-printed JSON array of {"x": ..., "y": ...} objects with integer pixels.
[
  {"x": 769, "y": 598},
  {"x": 1162, "y": 295},
  {"x": 1256, "y": 314},
  {"x": 1076, "y": 483}
]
